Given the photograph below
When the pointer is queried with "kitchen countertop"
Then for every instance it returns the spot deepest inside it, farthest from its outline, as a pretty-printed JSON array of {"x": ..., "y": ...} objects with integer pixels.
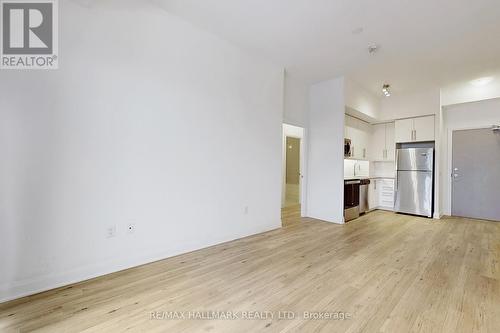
[
  {"x": 356, "y": 178},
  {"x": 364, "y": 177}
]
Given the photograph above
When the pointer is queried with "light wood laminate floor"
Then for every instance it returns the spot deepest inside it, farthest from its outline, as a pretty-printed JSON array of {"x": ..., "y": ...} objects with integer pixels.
[{"x": 391, "y": 273}]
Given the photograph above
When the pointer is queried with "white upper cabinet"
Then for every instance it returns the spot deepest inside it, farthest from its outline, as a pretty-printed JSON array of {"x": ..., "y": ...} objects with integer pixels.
[
  {"x": 359, "y": 132},
  {"x": 425, "y": 129},
  {"x": 415, "y": 129},
  {"x": 377, "y": 150},
  {"x": 382, "y": 142},
  {"x": 404, "y": 130},
  {"x": 390, "y": 143}
]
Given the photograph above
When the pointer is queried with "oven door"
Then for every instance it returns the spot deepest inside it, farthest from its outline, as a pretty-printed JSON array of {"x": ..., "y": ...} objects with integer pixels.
[
  {"x": 351, "y": 200},
  {"x": 351, "y": 194}
]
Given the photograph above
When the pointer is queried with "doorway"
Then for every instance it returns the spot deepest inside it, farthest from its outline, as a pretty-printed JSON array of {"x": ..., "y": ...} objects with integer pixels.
[
  {"x": 475, "y": 181},
  {"x": 292, "y": 172},
  {"x": 293, "y": 198}
]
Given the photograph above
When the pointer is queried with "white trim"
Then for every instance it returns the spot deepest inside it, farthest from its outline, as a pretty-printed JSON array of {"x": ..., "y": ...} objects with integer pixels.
[{"x": 303, "y": 172}]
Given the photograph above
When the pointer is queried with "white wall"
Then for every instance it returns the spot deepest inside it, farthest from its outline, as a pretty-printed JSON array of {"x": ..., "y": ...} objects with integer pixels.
[
  {"x": 360, "y": 102},
  {"x": 296, "y": 100},
  {"x": 148, "y": 121},
  {"x": 410, "y": 105},
  {"x": 464, "y": 116},
  {"x": 464, "y": 92},
  {"x": 325, "y": 182}
]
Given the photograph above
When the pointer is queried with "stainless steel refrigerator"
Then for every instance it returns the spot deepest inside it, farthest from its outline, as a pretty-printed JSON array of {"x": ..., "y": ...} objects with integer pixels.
[{"x": 414, "y": 181}]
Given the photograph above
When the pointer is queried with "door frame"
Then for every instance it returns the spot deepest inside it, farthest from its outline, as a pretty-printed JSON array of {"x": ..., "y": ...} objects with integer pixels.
[
  {"x": 449, "y": 161},
  {"x": 297, "y": 132}
]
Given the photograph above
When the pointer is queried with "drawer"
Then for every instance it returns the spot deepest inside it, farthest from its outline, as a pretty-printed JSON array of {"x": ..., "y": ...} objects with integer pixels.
[
  {"x": 388, "y": 181},
  {"x": 387, "y": 194},
  {"x": 387, "y": 203},
  {"x": 386, "y": 200},
  {"x": 385, "y": 184}
]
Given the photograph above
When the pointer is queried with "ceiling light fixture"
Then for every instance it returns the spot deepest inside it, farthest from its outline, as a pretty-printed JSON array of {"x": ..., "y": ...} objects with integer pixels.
[
  {"x": 386, "y": 90},
  {"x": 481, "y": 81}
]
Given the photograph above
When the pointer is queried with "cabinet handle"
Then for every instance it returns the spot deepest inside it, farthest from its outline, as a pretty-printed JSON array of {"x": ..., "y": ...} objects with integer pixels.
[{"x": 364, "y": 152}]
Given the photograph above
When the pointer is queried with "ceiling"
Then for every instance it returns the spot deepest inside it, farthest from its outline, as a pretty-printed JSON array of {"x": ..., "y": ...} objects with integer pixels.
[{"x": 422, "y": 42}]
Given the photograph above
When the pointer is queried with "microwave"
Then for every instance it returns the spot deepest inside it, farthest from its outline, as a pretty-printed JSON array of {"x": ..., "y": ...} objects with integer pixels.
[{"x": 347, "y": 148}]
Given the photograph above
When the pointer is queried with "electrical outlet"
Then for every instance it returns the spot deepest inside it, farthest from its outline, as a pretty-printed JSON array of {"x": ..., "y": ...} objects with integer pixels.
[
  {"x": 111, "y": 231},
  {"x": 131, "y": 228}
]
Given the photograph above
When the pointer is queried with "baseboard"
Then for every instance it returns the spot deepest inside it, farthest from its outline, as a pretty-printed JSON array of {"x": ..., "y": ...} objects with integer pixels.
[{"x": 28, "y": 287}]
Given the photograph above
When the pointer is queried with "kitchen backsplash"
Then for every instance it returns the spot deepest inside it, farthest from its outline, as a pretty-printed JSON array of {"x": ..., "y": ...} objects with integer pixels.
[
  {"x": 362, "y": 168},
  {"x": 383, "y": 169}
]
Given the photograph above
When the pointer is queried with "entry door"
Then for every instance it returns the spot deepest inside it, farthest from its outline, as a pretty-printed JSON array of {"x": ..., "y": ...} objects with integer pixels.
[{"x": 476, "y": 174}]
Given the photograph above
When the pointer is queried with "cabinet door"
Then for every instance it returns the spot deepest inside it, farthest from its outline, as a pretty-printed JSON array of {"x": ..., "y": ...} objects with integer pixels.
[
  {"x": 364, "y": 140},
  {"x": 359, "y": 144},
  {"x": 377, "y": 145},
  {"x": 359, "y": 132},
  {"x": 355, "y": 142},
  {"x": 386, "y": 194},
  {"x": 390, "y": 142},
  {"x": 424, "y": 128},
  {"x": 403, "y": 130},
  {"x": 373, "y": 194}
]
